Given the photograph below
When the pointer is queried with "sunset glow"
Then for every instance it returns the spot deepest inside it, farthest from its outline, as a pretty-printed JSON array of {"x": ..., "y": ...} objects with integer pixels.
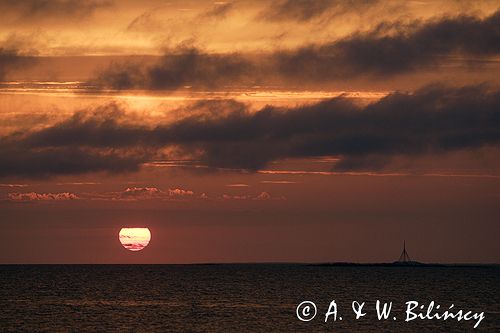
[
  {"x": 293, "y": 159},
  {"x": 237, "y": 128}
]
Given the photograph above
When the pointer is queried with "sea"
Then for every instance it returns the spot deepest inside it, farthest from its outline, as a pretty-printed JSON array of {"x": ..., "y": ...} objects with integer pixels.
[{"x": 240, "y": 297}]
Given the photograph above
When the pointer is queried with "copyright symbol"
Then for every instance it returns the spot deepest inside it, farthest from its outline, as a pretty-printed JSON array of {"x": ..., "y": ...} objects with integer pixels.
[{"x": 306, "y": 311}]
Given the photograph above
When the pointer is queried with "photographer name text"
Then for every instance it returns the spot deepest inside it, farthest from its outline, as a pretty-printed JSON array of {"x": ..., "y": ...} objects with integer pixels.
[{"x": 413, "y": 310}]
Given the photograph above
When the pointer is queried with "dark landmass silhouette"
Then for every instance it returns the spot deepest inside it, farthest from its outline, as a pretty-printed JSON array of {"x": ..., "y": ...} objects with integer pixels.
[
  {"x": 398, "y": 264},
  {"x": 403, "y": 261}
]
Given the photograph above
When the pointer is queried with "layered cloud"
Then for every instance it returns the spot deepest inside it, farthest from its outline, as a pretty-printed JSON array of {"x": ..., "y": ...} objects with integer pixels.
[
  {"x": 388, "y": 49},
  {"x": 228, "y": 134}
]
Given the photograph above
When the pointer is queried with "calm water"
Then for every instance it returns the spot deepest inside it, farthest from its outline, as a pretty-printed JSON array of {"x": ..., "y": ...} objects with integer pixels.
[{"x": 235, "y": 298}]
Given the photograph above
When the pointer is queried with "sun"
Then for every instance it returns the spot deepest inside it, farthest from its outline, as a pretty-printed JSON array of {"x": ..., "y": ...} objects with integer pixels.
[{"x": 134, "y": 239}]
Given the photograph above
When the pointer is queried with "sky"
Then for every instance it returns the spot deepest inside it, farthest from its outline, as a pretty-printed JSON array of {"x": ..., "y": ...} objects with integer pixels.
[{"x": 250, "y": 131}]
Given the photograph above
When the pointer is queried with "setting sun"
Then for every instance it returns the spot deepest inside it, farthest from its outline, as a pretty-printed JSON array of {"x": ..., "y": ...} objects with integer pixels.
[{"x": 135, "y": 239}]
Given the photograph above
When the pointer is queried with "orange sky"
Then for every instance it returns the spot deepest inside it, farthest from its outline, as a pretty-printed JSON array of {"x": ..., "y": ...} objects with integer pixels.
[
  {"x": 146, "y": 27},
  {"x": 249, "y": 130}
]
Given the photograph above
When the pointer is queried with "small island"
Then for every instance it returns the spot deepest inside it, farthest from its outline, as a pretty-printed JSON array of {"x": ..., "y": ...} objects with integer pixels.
[{"x": 403, "y": 261}]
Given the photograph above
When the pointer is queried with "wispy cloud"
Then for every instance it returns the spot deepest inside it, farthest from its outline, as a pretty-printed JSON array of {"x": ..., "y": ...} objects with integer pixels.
[
  {"x": 78, "y": 183},
  {"x": 42, "y": 10},
  {"x": 219, "y": 10},
  {"x": 262, "y": 196},
  {"x": 278, "y": 182},
  {"x": 13, "y": 185},
  {"x": 305, "y": 10},
  {"x": 238, "y": 185}
]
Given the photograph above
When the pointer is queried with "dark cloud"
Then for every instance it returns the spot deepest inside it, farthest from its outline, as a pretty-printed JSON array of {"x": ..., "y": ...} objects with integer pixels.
[
  {"x": 434, "y": 119},
  {"x": 16, "y": 52},
  {"x": 143, "y": 22},
  {"x": 305, "y": 10},
  {"x": 381, "y": 52},
  {"x": 20, "y": 161},
  {"x": 184, "y": 66},
  {"x": 385, "y": 51},
  {"x": 51, "y": 9},
  {"x": 11, "y": 59},
  {"x": 100, "y": 127},
  {"x": 219, "y": 10},
  {"x": 417, "y": 45},
  {"x": 39, "y": 153}
]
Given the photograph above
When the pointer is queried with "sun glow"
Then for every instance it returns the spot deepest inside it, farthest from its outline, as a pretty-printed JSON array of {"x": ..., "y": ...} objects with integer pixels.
[{"x": 134, "y": 239}]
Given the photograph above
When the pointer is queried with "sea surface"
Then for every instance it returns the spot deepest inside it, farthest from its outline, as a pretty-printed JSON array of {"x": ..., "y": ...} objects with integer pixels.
[{"x": 237, "y": 297}]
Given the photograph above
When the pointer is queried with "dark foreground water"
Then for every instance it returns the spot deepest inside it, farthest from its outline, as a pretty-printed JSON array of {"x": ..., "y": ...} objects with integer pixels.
[{"x": 236, "y": 298}]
